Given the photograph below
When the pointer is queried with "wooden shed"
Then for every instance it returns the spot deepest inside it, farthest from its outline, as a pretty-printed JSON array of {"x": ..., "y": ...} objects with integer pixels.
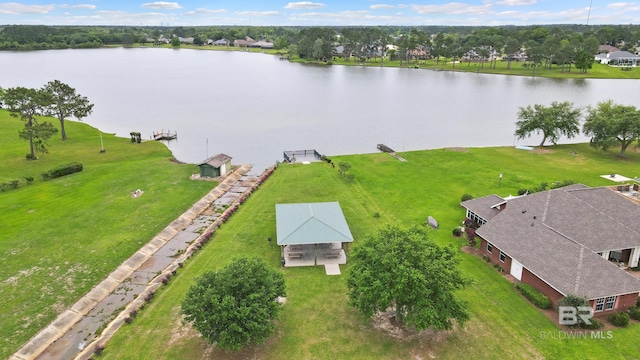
[{"x": 215, "y": 166}]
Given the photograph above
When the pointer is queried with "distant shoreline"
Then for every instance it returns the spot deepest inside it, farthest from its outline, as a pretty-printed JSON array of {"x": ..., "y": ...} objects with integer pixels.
[{"x": 599, "y": 71}]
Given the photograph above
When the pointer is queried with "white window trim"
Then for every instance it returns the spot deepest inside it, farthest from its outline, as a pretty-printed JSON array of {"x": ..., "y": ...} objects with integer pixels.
[
  {"x": 502, "y": 257},
  {"x": 489, "y": 247}
]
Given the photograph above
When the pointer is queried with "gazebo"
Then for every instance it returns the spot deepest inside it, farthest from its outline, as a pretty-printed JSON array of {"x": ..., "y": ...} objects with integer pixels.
[{"x": 312, "y": 233}]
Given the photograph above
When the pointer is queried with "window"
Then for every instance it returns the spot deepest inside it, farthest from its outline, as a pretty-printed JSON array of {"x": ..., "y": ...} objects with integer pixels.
[
  {"x": 610, "y": 303},
  {"x": 502, "y": 256},
  {"x": 600, "y": 304},
  {"x": 489, "y": 247}
]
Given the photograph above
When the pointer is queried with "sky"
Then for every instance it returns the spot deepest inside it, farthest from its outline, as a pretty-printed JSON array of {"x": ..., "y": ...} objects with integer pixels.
[{"x": 318, "y": 12}]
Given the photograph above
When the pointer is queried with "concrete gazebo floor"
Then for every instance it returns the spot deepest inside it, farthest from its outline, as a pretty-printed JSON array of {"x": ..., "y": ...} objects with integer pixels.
[{"x": 313, "y": 254}]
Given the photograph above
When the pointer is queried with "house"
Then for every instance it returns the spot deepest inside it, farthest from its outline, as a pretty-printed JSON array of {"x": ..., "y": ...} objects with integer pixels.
[
  {"x": 312, "y": 233},
  {"x": 221, "y": 42},
  {"x": 243, "y": 43},
  {"x": 607, "y": 49},
  {"x": 618, "y": 58},
  {"x": 572, "y": 240},
  {"x": 215, "y": 166},
  {"x": 261, "y": 44},
  {"x": 187, "y": 40}
]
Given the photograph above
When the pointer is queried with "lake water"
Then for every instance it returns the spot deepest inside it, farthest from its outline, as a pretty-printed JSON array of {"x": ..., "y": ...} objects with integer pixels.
[{"x": 253, "y": 106}]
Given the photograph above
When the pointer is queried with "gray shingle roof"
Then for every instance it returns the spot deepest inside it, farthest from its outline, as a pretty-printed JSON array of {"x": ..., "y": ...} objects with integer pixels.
[
  {"x": 485, "y": 207},
  {"x": 311, "y": 223},
  {"x": 217, "y": 160},
  {"x": 554, "y": 233}
]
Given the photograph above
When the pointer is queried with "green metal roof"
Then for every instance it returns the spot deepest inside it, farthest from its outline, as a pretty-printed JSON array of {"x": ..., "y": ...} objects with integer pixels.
[{"x": 311, "y": 223}]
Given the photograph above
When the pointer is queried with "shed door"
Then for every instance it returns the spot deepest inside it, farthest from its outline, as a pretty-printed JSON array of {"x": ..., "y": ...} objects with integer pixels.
[{"x": 516, "y": 269}]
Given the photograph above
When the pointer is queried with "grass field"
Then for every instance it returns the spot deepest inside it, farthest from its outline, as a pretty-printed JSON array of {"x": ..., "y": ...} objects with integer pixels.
[
  {"x": 598, "y": 71},
  {"x": 317, "y": 322},
  {"x": 61, "y": 237}
]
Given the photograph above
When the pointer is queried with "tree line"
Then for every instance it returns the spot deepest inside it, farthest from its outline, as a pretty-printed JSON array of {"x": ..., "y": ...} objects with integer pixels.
[
  {"x": 560, "y": 44},
  {"x": 608, "y": 124}
]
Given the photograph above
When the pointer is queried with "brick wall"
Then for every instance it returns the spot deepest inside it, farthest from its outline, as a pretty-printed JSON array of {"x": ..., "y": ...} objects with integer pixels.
[
  {"x": 494, "y": 255},
  {"x": 543, "y": 287},
  {"x": 623, "y": 302}
]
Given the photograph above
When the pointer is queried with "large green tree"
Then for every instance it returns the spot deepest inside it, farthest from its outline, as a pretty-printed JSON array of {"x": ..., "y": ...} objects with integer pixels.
[
  {"x": 609, "y": 124},
  {"x": 553, "y": 121},
  {"x": 28, "y": 104},
  {"x": 236, "y": 305},
  {"x": 407, "y": 271},
  {"x": 66, "y": 103},
  {"x": 583, "y": 61}
]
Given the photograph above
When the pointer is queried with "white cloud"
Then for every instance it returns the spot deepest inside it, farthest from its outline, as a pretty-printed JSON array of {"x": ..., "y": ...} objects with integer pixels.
[
  {"x": 304, "y": 5},
  {"x": 84, "y": 6},
  {"x": 259, "y": 13},
  {"x": 625, "y": 6},
  {"x": 382, "y": 6},
  {"x": 453, "y": 9},
  {"x": 16, "y": 9},
  {"x": 203, "y": 11},
  {"x": 162, "y": 5},
  {"x": 517, "y": 2}
]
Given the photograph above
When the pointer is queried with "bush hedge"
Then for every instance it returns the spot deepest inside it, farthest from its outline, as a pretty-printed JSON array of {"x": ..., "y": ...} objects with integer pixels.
[
  {"x": 62, "y": 171},
  {"x": 620, "y": 319},
  {"x": 595, "y": 324},
  {"x": 536, "y": 297},
  {"x": 634, "y": 312}
]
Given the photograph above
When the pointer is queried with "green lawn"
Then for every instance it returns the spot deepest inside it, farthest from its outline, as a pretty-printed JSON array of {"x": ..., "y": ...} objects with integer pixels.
[
  {"x": 598, "y": 71},
  {"x": 317, "y": 322},
  {"x": 61, "y": 237}
]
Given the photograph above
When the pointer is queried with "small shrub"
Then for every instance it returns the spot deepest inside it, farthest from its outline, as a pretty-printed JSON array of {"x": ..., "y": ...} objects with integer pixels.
[
  {"x": 536, "y": 297},
  {"x": 466, "y": 197},
  {"x": 457, "y": 232},
  {"x": 619, "y": 319},
  {"x": 31, "y": 157},
  {"x": 28, "y": 179},
  {"x": 522, "y": 191},
  {"x": 563, "y": 183},
  {"x": 486, "y": 258},
  {"x": 595, "y": 324},
  {"x": 98, "y": 349},
  {"x": 634, "y": 312},
  {"x": 14, "y": 183},
  {"x": 376, "y": 215}
]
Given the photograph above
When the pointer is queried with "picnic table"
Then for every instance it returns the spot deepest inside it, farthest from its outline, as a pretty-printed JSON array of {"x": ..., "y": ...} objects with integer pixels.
[
  {"x": 295, "y": 254},
  {"x": 332, "y": 253}
]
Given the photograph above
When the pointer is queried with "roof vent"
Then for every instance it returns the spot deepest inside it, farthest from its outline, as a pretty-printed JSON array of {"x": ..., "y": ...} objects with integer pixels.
[
  {"x": 534, "y": 217},
  {"x": 524, "y": 211}
]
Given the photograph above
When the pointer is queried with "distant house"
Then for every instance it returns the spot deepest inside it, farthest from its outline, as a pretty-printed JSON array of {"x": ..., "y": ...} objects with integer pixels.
[
  {"x": 187, "y": 40},
  {"x": 261, "y": 44},
  {"x": 163, "y": 40},
  {"x": 243, "y": 43},
  {"x": 607, "y": 49},
  {"x": 572, "y": 240},
  {"x": 618, "y": 58},
  {"x": 215, "y": 166},
  {"x": 221, "y": 42}
]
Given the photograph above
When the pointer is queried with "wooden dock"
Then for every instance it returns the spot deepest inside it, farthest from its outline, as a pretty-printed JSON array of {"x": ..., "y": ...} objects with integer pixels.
[
  {"x": 385, "y": 148},
  {"x": 161, "y": 135}
]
